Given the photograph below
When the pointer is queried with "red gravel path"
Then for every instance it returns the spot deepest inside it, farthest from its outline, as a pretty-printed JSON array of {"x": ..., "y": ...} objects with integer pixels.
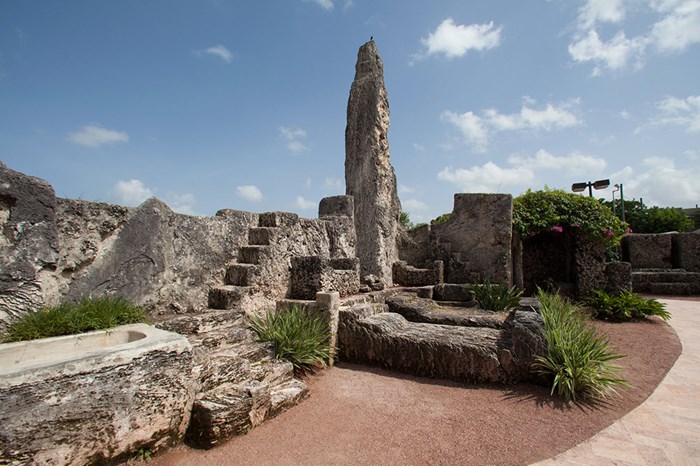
[{"x": 359, "y": 415}]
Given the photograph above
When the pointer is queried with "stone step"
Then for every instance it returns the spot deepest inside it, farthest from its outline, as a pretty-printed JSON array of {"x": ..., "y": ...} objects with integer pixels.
[
  {"x": 664, "y": 276},
  {"x": 241, "y": 274},
  {"x": 227, "y": 339},
  {"x": 261, "y": 235},
  {"x": 267, "y": 219},
  {"x": 252, "y": 254},
  {"x": 676, "y": 288},
  {"x": 227, "y": 296},
  {"x": 235, "y": 407},
  {"x": 207, "y": 321}
]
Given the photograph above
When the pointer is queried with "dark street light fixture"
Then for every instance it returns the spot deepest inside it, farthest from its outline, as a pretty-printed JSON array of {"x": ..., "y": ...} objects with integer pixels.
[{"x": 580, "y": 187}]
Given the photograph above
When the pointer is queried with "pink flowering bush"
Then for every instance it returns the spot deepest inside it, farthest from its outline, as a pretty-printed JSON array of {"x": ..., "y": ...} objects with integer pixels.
[{"x": 555, "y": 210}]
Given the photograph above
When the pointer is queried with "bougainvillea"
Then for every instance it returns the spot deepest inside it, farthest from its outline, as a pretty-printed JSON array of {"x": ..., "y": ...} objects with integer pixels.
[{"x": 558, "y": 211}]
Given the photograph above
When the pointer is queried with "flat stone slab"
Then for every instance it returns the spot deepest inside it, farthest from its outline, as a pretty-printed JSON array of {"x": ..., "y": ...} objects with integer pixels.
[
  {"x": 466, "y": 354},
  {"x": 428, "y": 311}
]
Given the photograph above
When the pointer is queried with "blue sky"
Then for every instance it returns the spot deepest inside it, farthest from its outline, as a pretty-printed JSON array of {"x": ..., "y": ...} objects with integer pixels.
[{"x": 216, "y": 104}]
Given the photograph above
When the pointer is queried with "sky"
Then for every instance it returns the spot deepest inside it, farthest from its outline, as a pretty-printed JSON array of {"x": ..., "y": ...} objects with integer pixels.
[{"x": 216, "y": 104}]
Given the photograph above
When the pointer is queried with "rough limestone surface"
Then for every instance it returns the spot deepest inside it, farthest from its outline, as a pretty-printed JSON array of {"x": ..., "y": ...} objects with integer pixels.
[
  {"x": 476, "y": 242},
  {"x": 429, "y": 312},
  {"x": 160, "y": 259},
  {"x": 312, "y": 274},
  {"x": 468, "y": 354},
  {"x": 648, "y": 251},
  {"x": 28, "y": 242},
  {"x": 101, "y": 407},
  {"x": 408, "y": 275},
  {"x": 618, "y": 276},
  {"x": 686, "y": 251},
  {"x": 369, "y": 176}
]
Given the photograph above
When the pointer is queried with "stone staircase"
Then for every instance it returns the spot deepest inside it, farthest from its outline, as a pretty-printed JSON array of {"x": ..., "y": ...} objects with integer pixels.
[
  {"x": 245, "y": 278},
  {"x": 242, "y": 384},
  {"x": 665, "y": 281}
]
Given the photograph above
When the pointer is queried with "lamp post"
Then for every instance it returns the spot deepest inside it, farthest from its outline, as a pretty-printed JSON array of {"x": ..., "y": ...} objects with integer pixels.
[
  {"x": 580, "y": 187},
  {"x": 622, "y": 200},
  {"x": 617, "y": 188}
]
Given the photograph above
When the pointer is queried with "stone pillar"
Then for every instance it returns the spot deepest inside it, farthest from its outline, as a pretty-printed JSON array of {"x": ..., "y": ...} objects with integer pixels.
[
  {"x": 328, "y": 305},
  {"x": 369, "y": 176}
]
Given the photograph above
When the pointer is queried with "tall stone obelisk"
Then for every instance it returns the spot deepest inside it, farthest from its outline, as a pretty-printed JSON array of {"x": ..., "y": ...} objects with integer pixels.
[{"x": 369, "y": 176}]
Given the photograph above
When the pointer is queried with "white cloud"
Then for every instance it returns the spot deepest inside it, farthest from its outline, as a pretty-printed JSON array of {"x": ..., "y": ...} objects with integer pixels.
[
  {"x": 680, "y": 112},
  {"x": 293, "y": 135},
  {"x": 660, "y": 182},
  {"x": 471, "y": 127},
  {"x": 307, "y": 182},
  {"x": 296, "y": 147},
  {"x": 614, "y": 54},
  {"x": 418, "y": 147},
  {"x": 477, "y": 129},
  {"x": 221, "y": 52},
  {"x": 574, "y": 164},
  {"x": 332, "y": 183},
  {"x": 217, "y": 50},
  {"x": 131, "y": 193},
  {"x": 403, "y": 189},
  {"x": 181, "y": 203},
  {"x": 455, "y": 40},
  {"x": 325, "y": 4},
  {"x": 680, "y": 28},
  {"x": 487, "y": 178},
  {"x": 674, "y": 25},
  {"x": 414, "y": 204},
  {"x": 304, "y": 204},
  {"x": 95, "y": 136},
  {"x": 604, "y": 11},
  {"x": 249, "y": 193}
]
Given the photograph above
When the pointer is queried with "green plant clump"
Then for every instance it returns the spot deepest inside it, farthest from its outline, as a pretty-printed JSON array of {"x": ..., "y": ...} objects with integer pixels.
[
  {"x": 298, "y": 336},
  {"x": 579, "y": 360},
  {"x": 555, "y": 210},
  {"x": 625, "y": 306},
  {"x": 68, "y": 319},
  {"x": 496, "y": 297}
]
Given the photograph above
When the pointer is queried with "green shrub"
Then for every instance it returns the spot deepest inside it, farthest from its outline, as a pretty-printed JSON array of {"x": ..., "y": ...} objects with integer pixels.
[
  {"x": 496, "y": 297},
  {"x": 558, "y": 211},
  {"x": 625, "y": 306},
  {"x": 68, "y": 319},
  {"x": 299, "y": 337},
  {"x": 579, "y": 360},
  {"x": 441, "y": 219}
]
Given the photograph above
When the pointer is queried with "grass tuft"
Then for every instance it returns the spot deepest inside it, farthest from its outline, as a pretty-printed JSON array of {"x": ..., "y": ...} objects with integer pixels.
[
  {"x": 496, "y": 297},
  {"x": 68, "y": 319},
  {"x": 579, "y": 360},
  {"x": 625, "y": 306},
  {"x": 298, "y": 336}
]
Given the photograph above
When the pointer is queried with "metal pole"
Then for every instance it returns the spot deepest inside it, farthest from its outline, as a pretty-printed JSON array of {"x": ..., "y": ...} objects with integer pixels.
[
  {"x": 622, "y": 201},
  {"x": 590, "y": 189},
  {"x": 613, "y": 203}
]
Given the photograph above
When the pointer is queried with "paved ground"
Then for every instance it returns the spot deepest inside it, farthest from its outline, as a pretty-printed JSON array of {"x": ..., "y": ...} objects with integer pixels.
[
  {"x": 380, "y": 418},
  {"x": 665, "y": 429}
]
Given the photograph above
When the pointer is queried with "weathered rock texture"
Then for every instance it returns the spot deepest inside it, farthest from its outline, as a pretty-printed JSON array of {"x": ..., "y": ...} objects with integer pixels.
[
  {"x": 313, "y": 274},
  {"x": 666, "y": 263},
  {"x": 408, "y": 275},
  {"x": 28, "y": 241},
  {"x": 53, "y": 250},
  {"x": 242, "y": 384},
  {"x": 369, "y": 176},
  {"x": 99, "y": 407},
  {"x": 474, "y": 244},
  {"x": 648, "y": 251},
  {"x": 471, "y": 354}
]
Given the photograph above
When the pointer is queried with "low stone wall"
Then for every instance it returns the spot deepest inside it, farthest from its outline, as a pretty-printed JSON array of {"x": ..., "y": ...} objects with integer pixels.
[
  {"x": 686, "y": 251},
  {"x": 407, "y": 275},
  {"x": 648, "y": 251}
]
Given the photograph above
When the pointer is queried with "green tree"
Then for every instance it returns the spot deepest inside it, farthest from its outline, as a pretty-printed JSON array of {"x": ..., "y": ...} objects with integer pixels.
[{"x": 643, "y": 219}]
